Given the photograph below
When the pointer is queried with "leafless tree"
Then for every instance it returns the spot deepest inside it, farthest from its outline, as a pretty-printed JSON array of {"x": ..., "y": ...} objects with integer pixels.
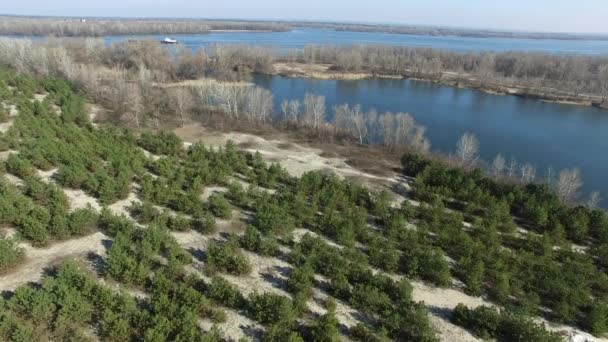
[
  {"x": 512, "y": 168},
  {"x": 294, "y": 110},
  {"x": 498, "y": 166},
  {"x": 568, "y": 184},
  {"x": 183, "y": 100},
  {"x": 528, "y": 173},
  {"x": 467, "y": 149},
  {"x": 314, "y": 110},
  {"x": 594, "y": 200}
]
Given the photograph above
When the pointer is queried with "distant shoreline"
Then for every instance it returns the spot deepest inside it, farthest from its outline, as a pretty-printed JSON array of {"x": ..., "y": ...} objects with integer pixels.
[
  {"x": 77, "y": 26},
  {"x": 324, "y": 72}
]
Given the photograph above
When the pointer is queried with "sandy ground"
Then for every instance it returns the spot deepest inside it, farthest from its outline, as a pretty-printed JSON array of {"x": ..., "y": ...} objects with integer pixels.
[
  {"x": 295, "y": 158},
  {"x": 40, "y": 259},
  {"x": 317, "y": 71},
  {"x": 5, "y": 126}
]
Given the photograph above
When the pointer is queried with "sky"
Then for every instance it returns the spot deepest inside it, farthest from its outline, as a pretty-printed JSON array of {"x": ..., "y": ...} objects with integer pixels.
[{"x": 580, "y": 16}]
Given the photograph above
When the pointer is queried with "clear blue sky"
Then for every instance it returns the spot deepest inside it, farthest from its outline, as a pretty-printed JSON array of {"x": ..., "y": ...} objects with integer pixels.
[{"x": 531, "y": 15}]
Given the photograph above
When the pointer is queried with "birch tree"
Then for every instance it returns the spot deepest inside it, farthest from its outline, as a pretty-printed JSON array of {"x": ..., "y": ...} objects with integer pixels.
[
  {"x": 498, "y": 166},
  {"x": 528, "y": 173},
  {"x": 467, "y": 149},
  {"x": 568, "y": 184},
  {"x": 594, "y": 200},
  {"x": 183, "y": 101}
]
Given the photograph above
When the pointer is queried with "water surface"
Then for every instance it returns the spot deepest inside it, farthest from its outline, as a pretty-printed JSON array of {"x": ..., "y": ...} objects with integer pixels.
[{"x": 301, "y": 37}]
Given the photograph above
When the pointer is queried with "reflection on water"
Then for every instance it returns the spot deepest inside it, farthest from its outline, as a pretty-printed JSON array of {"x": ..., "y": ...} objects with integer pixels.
[{"x": 545, "y": 134}]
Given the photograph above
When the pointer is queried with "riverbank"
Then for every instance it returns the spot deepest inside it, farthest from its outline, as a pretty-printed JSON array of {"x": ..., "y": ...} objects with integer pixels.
[{"x": 327, "y": 72}]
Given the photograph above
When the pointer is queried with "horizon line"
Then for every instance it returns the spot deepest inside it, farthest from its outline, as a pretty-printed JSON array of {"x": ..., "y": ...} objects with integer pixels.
[{"x": 350, "y": 22}]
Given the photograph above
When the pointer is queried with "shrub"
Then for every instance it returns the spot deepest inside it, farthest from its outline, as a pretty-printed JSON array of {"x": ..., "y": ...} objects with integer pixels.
[
  {"x": 225, "y": 293},
  {"x": 325, "y": 328},
  {"x": 10, "y": 254},
  {"x": 272, "y": 217},
  {"x": 219, "y": 206},
  {"x": 487, "y": 322},
  {"x": 82, "y": 221},
  {"x": 269, "y": 308},
  {"x": 255, "y": 242},
  {"x": 19, "y": 167},
  {"x": 227, "y": 257},
  {"x": 162, "y": 143}
]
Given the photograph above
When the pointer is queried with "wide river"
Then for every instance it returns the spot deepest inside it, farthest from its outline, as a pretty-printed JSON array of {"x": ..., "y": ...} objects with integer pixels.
[
  {"x": 301, "y": 37},
  {"x": 541, "y": 133}
]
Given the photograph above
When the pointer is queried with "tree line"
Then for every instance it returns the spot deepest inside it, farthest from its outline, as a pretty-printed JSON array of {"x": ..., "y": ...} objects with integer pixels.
[{"x": 93, "y": 27}]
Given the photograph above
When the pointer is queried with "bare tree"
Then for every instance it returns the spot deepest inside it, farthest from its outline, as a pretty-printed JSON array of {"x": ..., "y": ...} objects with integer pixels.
[
  {"x": 498, "y": 166},
  {"x": 314, "y": 108},
  {"x": 467, "y": 149},
  {"x": 294, "y": 110},
  {"x": 285, "y": 111},
  {"x": 568, "y": 184},
  {"x": 528, "y": 173},
  {"x": 387, "y": 124},
  {"x": 183, "y": 100},
  {"x": 512, "y": 168},
  {"x": 594, "y": 200}
]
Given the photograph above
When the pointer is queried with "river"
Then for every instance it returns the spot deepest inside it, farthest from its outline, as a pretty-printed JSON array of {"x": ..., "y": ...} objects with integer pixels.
[
  {"x": 301, "y": 37},
  {"x": 541, "y": 133}
]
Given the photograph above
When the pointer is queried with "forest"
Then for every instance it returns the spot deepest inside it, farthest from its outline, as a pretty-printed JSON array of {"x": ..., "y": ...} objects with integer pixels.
[{"x": 519, "y": 246}]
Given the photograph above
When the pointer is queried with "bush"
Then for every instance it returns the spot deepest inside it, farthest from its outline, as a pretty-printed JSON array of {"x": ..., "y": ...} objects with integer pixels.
[
  {"x": 203, "y": 223},
  {"x": 272, "y": 217},
  {"x": 254, "y": 241},
  {"x": 162, "y": 143},
  {"x": 325, "y": 328},
  {"x": 301, "y": 280},
  {"x": 225, "y": 293},
  {"x": 269, "y": 308},
  {"x": 10, "y": 254},
  {"x": 227, "y": 257},
  {"x": 19, "y": 167},
  {"x": 219, "y": 206},
  {"x": 487, "y": 322},
  {"x": 82, "y": 221}
]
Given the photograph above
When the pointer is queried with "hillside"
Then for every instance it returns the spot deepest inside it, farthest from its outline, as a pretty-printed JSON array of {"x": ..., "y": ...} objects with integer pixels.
[{"x": 112, "y": 234}]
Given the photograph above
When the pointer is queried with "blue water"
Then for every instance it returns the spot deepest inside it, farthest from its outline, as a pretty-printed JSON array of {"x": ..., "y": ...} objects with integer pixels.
[
  {"x": 301, "y": 37},
  {"x": 544, "y": 134}
]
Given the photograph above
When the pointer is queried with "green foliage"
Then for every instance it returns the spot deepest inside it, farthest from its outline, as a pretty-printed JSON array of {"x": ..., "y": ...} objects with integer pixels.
[
  {"x": 225, "y": 293},
  {"x": 273, "y": 217},
  {"x": 325, "y": 328},
  {"x": 19, "y": 166},
  {"x": 219, "y": 206},
  {"x": 427, "y": 263},
  {"x": 487, "y": 322},
  {"x": 281, "y": 332},
  {"x": 161, "y": 143},
  {"x": 254, "y": 241},
  {"x": 227, "y": 257},
  {"x": 268, "y": 308},
  {"x": 10, "y": 254},
  {"x": 300, "y": 281},
  {"x": 595, "y": 319}
]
